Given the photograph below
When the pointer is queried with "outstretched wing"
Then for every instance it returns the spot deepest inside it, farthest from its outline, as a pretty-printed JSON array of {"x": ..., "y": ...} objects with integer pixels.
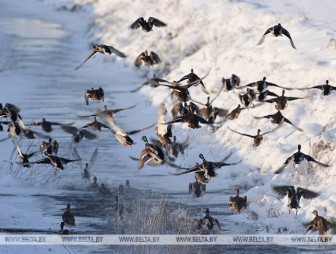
[
  {"x": 155, "y": 57},
  {"x": 287, "y": 121},
  {"x": 283, "y": 189},
  {"x": 139, "y": 22},
  {"x": 244, "y": 134},
  {"x": 309, "y": 158},
  {"x": 194, "y": 169},
  {"x": 93, "y": 159},
  {"x": 136, "y": 131},
  {"x": 307, "y": 193},
  {"x": 91, "y": 55},
  {"x": 155, "y": 22},
  {"x": 117, "y": 52},
  {"x": 138, "y": 60},
  {"x": 269, "y": 30},
  {"x": 286, "y": 33}
]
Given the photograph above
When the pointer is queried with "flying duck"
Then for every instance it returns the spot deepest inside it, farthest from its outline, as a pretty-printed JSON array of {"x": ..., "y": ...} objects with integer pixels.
[
  {"x": 257, "y": 139},
  {"x": 206, "y": 170},
  {"x": 149, "y": 59},
  {"x": 276, "y": 30},
  {"x": 207, "y": 221},
  {"x": 247, "y": 98},
  {"x": 326, "y": 88},
  {"x": 47, "y": 125},
  {"x": 78, "y": 134},
  {"x": 297, "y": 158},
  {"x": 196, "y": 80},
  {"x": 294, "y": 196},
  {"x": 151, "y": 155},
  {"x": 103, "y": 49},
  {"x": 147, "y": 26},
  {"x": 234, "y": 113},
  {"x": 208, "y": 111},
  {"x": 278, "y": 118},
  {"x": 177, "y": 148},
  {"x": 262, "y": 85},
  {"x": 55, "y": 161},
  {"x": 282, "y": 101},
  {"x": 68, "y": 217},
  {"x": 197, "y": 189},
  {"x": 23, "y": 157},
  {"x": 231, "y": 83},
  {"x": 163, "y": 130},
  {"x": 319, "y": 223},
  {"x": 108, "y": 111},
  {"x": 262, "y": 95},
  {"x": 95, "y": 125},
  {"x": 189, "y": 117},
  {"x": 237, "y": 203},
  {"x": 94, "y": 94},
  {"x": 121, "y": 135},
  {"x": 153, "y": 82},
  {"x": 88, "y": 166}
]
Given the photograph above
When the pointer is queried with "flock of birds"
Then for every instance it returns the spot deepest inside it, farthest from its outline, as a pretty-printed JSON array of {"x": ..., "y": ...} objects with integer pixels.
[{"x": 165, "y": 149}]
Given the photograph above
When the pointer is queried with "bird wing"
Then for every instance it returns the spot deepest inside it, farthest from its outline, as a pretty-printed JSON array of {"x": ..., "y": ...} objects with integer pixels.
[
  {"x": 287, "y": 121},
  {"x": 155, "y": 57},
  {"x": 194, "y": 169},
  {"x": 138, "y": 60},
  {"x": 309, "y": 158},
  {"x": 283, "y": 189},
  {"x": 247, "y": 135},
  {"x": 70, "y": 129},
  {"x": 136, "y": 24},
  {"x": 162, "y": 126},
  {"x": 136, "y": 131},
  {"x": 92, "y": 159},
  {"x": 42, "y": 161},
  {"x": 87, "y": 134},
  {"x": 286, "y": 33},
  {"x": 117, "y": 52},
  {"x": 109, "y": 120},
  {"x": 153, "y": 21},
  {"x": 65, "y": 160},
  {"x": 269, "y": 30},
  {"x": 262, "y": 134},
  {"x": 278, "y": 171},
  {"x": 91, "y": 55},
  {"x": 307, "y": 193}
]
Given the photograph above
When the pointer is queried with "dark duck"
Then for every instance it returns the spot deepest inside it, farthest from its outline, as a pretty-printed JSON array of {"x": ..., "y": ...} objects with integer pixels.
[
  {"x": 94, "y": 94},
  {"x": 282, "y": 101},
  {"x": 294, "y": 196},
  {"x": 326, "y": 88},
  {"x": 297, "y": 158},
  {"x": 149, "y": 59},
  {"x": 148, "y": 25},
  {"x": 230, "y": 83},
  {"x": 319, "y": 223},
  {"x": 237, "y": 203},
  {"x": 257, "y": 139},
  {"x": 197, "y": 189},
  {"x": 196, "y": 80},
  {"x": 103, "y": 49},
  {"x": 207, "y": 221},
  {"x": 68, "y": 217},
  {"x": 276, "y": 31}
]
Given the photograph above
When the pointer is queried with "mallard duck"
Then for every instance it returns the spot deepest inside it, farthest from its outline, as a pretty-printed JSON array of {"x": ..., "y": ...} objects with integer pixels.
[
  {"x": 197, "y": 189},
  {"x": 247, "y": 98},
  {"x": 208, "y": 221},
  {"x": 94, "y": 94},
  {"x": 195, "y": 80},
  {"x": 103, "y": 49},
  {"x": 55, "y": 161},
  {"x": 95, "y": 125},
  {"x": 237, "y": 203},
  {"x": 149, "y": 59},
  {"x": 177, "y": 148},
  {"x": 78, "y": 134},
  {"x": 297, "y": 158},
  {"x": 294, "y": 196},
  {"x": 153, "y": 82},
  {"x": 277, "y": 30},
  {"x": 278, "y": 118},
  {"x": 257, "y": 139},
  {"x": 88, "y": 166},
  {"x": 68, "y": 217},
  {"x": 147, "y": 26},
  {"x": 206, "y": 170},
  {"x": 10, "y": 111},
  {"x": 282, "y": 101},
  {"x": 47, "y": 125},
  {"x": 326, "y": 88},
  {"x": 319, "y": 223},
  {"x": 121, "y": 135},
  {"x": 234, "y": 113},
  {"x": 262, "y": 85},
  {"x": 49, "y": 147},
  {"x": 189, "y": 117},
  {"x": 163, "y": 130},
  {"x": 231, "y": 83},
  {"x": 151, "y": 155},
  {"x": 210, "y": 112},
  {"x": 108, "y": 111}
]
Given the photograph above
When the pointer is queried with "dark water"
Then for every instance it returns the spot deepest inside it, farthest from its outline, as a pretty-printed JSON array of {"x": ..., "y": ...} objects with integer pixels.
[{"x": 38, "y": 55}]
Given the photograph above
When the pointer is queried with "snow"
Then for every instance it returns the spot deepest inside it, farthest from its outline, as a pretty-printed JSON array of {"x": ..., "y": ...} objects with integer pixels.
[{"x": 219, "y": 36}]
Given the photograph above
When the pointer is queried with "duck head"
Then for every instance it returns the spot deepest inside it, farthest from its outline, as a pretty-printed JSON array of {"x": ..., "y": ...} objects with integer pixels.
[
  {"x": 258, "y": 132},
  {"x": 264, "y": 78},
  {"x": 202, "y": 157},
  {"x": 315, "y": 213},
  {"x": 144, "y": 138},
  {"x": 299, "y": 148}
]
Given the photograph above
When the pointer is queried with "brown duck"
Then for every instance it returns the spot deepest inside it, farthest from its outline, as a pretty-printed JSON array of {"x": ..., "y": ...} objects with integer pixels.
[
  {"x": 237, "y": 203},
  {"x": 282, "y": 101},
  {"x": 319, "y": 223},
  {"x": 94, "y": 94},
  {"x": 149, "y": 59},
  {"x": 257, "y": 139}
]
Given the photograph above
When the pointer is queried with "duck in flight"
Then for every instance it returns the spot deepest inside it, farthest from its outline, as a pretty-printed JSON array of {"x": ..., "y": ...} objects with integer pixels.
[
  {"x": 149, "y": 59},
  {"x": 257, "y": 139},
  {"x": 237, "y": 203},
  {"x": 148, "y": 25},
  {"x": 297, "y": 158},
  {"x": 276, "y": 31},
  {"x": 282, "y": 101}
]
